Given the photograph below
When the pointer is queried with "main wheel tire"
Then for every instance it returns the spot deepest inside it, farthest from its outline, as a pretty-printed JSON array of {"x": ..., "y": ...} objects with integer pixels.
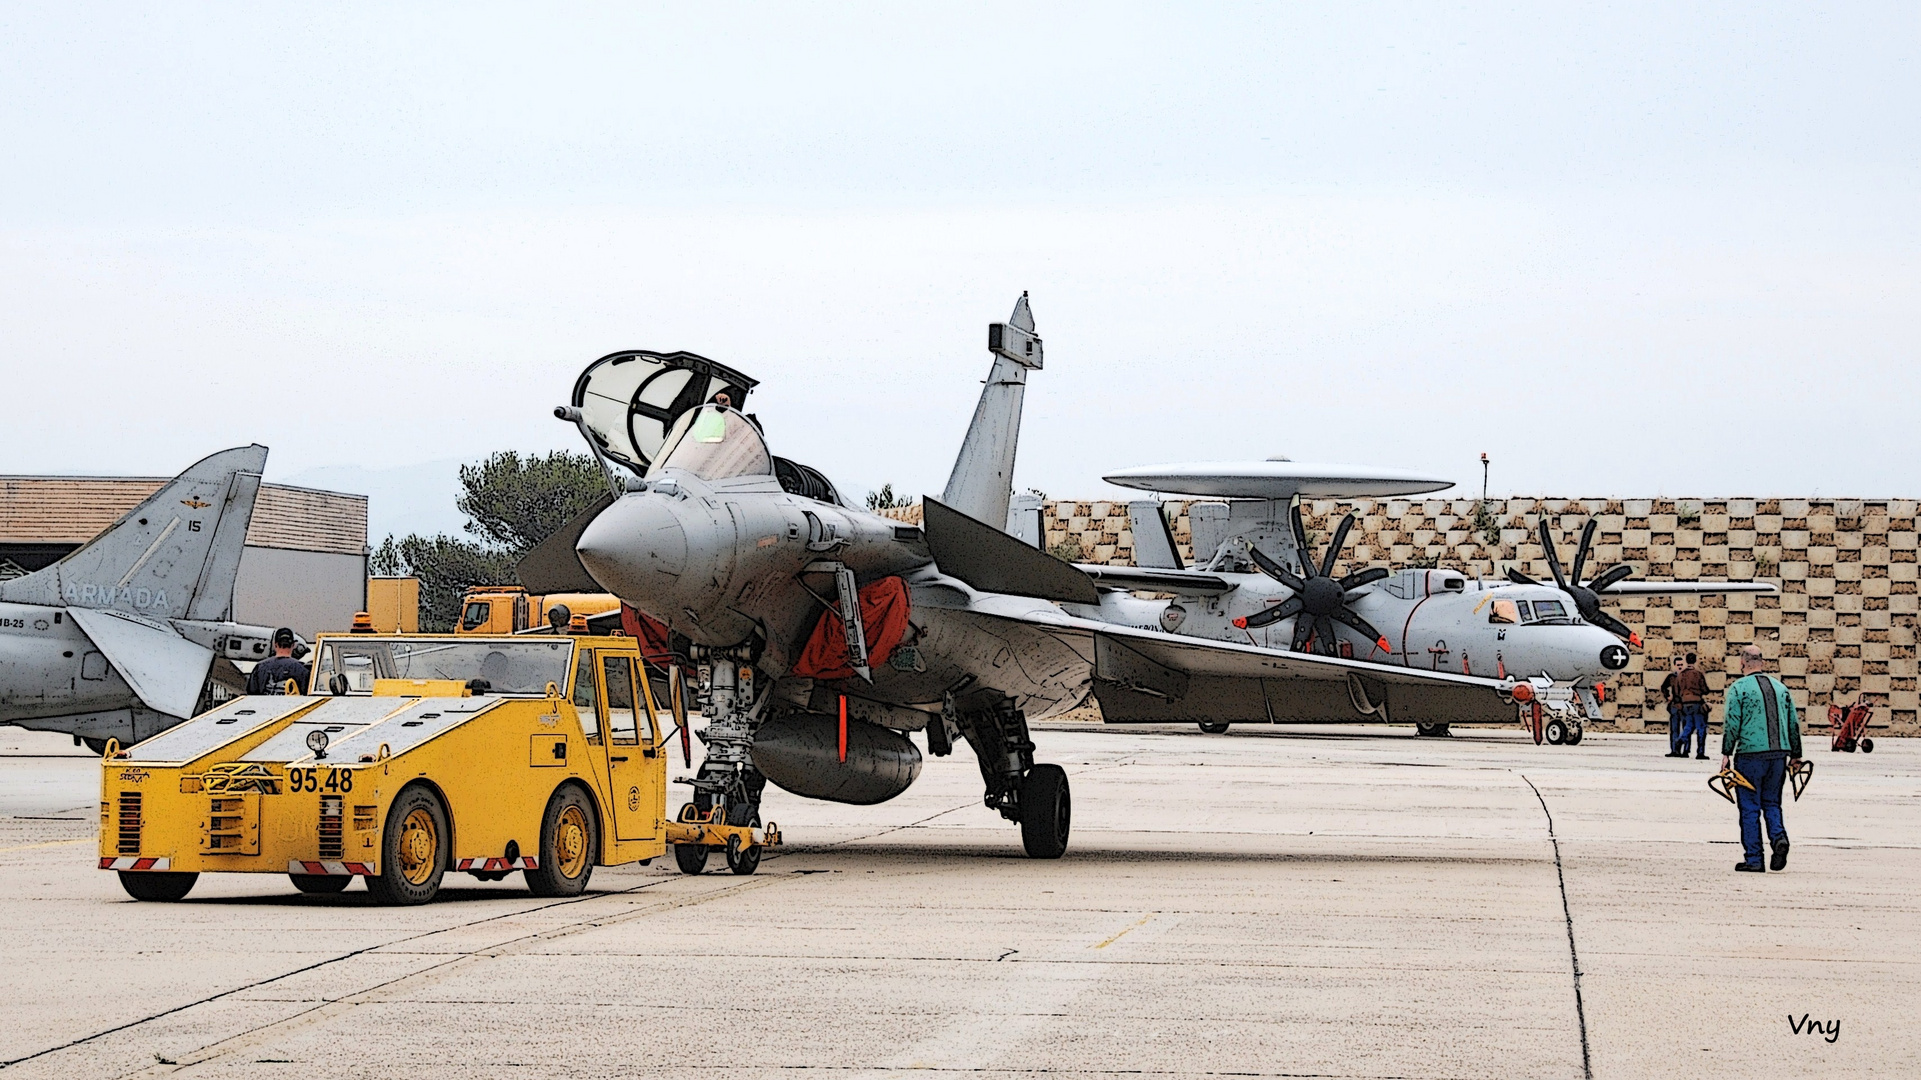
[
  {"x": 1555, "y": 732},
  {"x": 1431, "y": 731},
  {"x": 742, "y": 861},
  {"x": 1214, "y": 729},
  {"x": 569, "y": 845},
  {"x": 1574, "y": 733},
  {"x": 98, "y": 746},
  {"x": 320, "y": 884},
  {"x": 1867, "y": 746},
  {"x": 413, "y": 849},
  {"x": 163, "y": 886},
  {"x": 1047, "y": 812}
]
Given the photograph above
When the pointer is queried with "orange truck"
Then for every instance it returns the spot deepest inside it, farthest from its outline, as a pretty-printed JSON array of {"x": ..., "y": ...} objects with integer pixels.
[{"x": 509, "y": 609}]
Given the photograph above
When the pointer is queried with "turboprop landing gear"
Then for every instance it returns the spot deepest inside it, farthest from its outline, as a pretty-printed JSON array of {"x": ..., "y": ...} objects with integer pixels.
[
  {"x": 1036, "y": 796},
  {"x": 727, "y": 780}
]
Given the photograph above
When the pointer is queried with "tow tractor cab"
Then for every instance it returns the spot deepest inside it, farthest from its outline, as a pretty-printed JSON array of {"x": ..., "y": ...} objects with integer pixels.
[{"x": 424, "y": 754}]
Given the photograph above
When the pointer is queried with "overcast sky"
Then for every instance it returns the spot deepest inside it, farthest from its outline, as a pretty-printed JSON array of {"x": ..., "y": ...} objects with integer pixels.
[{"x": 1623, "y": 249}]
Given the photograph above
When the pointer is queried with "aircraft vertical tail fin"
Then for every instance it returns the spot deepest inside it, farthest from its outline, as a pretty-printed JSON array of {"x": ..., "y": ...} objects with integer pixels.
[
  {"x": 983, "y": 478},
  {"x": 172, "y": 557}
]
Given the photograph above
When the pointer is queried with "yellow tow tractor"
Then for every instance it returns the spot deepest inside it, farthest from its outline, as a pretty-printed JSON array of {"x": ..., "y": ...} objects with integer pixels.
[{"x": 416, "y": 755}]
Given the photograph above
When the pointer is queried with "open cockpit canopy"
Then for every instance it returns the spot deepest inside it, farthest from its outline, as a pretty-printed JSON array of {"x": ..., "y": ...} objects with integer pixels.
[{"x": 631, "y": 400}]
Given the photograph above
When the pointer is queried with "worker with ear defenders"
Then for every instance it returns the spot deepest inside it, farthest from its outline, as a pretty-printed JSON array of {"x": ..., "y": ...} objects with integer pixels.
[{"x": 1761, "y": 738}]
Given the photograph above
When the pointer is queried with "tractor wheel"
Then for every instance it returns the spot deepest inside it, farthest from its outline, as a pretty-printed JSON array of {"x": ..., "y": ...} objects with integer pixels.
[
  {"x": 163, "y": 886},
  {"x": 691, "y": 858},
  {"x": 1867, "y": 746},
  {"x": 742, "y": 861},
  {"x": 1556, "y": 732},
  {"x": 1214, "y": 729},
  {"x": 1046, "y": 812},
  {"x": 320, "y": 884},
  {"x": 413, "y": 849},
  {"x": 569, "y": 843}
]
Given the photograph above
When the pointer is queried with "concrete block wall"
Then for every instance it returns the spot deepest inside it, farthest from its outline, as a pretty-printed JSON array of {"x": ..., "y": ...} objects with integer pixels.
[{"x": 1844, "y": 623}]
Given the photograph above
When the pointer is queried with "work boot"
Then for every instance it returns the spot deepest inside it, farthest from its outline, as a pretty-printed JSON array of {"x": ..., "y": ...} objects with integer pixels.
[
  {"x": 1698, "y": 757},
  {"x": 1780, "y": 860},
  {"x": 1746, "y": 868}
]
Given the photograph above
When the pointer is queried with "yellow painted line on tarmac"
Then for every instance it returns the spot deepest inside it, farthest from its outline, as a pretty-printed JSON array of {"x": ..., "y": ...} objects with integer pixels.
[
  {"x": 1125, "y": 931},
  {"x": 63, "y": 843}
]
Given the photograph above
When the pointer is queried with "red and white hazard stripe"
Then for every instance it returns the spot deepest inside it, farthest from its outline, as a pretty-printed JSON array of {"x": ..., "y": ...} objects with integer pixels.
[
  {"x": 525, "y": 862},
  {"x": 329, "y": 868},
  {"x": 128, "y": 863}
]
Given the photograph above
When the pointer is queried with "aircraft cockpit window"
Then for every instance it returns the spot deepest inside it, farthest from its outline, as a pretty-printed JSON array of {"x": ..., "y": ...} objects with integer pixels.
[
  {"x": 1503, "y": 611},
  {"x": 715, "y": 443},
  {"x": 1526, "y": 616},
  {"x": 1549, "y": 609}
]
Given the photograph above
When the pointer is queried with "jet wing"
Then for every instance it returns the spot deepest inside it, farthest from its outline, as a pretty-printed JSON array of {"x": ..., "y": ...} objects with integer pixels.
[
  {"x": 1146, "y": 677},
  {"x": 163, "y": 668},
  {"x": 1144, "y": 579}
]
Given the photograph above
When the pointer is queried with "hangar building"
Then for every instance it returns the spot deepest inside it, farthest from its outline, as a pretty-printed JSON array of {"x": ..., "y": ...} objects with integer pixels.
[{"x": 305, "y": 564}]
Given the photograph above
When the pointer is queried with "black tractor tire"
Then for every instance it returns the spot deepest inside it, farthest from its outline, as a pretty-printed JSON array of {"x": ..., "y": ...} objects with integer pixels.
[
  {"x": 1431, "y": 731},
  {"x": 691, "y": 858},
  {"x": 413, "y": 849},
  {"x": 320, "y": 884},
  {"x": 1214, "y": 729},
  {"x": 569, "y": 845},
  {"x": 743, "y": 860},
  {"x": 161, "y": 887},
  {"x": 1867, "y": 746},
  {"x": 1047, "y": 812}
]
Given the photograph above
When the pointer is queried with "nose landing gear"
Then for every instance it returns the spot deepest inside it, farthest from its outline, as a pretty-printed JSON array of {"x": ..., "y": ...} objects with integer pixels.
[{"x": 727, "y": 788}]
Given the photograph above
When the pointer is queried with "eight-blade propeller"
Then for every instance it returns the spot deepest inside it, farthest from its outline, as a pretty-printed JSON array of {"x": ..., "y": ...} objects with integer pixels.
[
  {"x": 1320, "y": 599},
  {"x": 1587, "y": 597}
]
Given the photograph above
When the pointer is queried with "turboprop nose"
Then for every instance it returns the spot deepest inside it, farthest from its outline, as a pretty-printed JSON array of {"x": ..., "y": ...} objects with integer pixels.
[{"x": 636, "y": 547}]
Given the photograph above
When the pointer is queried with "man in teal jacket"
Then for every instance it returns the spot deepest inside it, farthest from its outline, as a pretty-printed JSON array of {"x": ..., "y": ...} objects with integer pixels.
[{"x": 1760, "y": 736}]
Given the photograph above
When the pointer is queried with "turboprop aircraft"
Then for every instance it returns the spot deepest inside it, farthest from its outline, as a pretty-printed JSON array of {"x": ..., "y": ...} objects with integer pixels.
[
  {"x": 1260, "y": 583},
  {"x": 116, "y": 639},
  {"x": 822, "y": 633}
]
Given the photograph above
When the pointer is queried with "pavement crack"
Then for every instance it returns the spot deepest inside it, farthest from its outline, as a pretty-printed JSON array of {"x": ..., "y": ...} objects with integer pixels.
[{"x": 1567, "y": 913}]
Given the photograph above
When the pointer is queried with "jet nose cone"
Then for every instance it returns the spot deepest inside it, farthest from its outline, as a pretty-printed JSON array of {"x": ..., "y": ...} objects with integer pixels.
[{"x": 635, "y": 547}]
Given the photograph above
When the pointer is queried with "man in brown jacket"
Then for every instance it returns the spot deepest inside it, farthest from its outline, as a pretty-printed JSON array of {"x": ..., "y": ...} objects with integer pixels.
[{"x": 1691, "y": 691}]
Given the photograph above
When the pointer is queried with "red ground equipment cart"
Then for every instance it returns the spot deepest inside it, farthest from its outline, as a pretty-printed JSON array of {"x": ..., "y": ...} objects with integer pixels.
[{"x": 1848, "y": 727}]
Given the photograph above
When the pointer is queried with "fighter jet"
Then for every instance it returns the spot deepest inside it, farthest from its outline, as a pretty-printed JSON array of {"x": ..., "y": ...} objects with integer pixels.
[
  {"x": 821, "y": 634},
  {"x": 1261, "y": 583},
  {"x": 116, "y": 640}
]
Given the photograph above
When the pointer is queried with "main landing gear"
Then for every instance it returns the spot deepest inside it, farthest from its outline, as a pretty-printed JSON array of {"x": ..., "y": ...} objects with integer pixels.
[{"x": 1035, "y": 795}]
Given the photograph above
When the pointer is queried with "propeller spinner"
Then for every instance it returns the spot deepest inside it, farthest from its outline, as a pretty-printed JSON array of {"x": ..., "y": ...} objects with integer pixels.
[
  {"x": 1320, "y": 599},
  {"x": 1587, "y": 598}
]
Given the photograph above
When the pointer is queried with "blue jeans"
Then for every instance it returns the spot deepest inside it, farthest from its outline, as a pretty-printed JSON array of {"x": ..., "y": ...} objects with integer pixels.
[
  {"x": 1694, "y": 723},
  {"x": 1767, "y": 771},
  {"x": 1674, "y": 729}
]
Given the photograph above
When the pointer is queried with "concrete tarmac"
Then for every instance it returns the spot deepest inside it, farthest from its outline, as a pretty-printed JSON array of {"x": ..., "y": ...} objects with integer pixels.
[{"x": 1357, "y": 903}]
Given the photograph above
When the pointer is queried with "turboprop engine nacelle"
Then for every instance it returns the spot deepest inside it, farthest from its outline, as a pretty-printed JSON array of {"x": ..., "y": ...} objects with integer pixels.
[{"x": 801, "y": 754}]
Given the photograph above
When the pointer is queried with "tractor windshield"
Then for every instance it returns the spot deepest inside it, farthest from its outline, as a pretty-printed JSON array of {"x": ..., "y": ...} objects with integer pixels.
[
  {"x": 715, "y": 443},
  {"x": 510, "y": 667}
]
